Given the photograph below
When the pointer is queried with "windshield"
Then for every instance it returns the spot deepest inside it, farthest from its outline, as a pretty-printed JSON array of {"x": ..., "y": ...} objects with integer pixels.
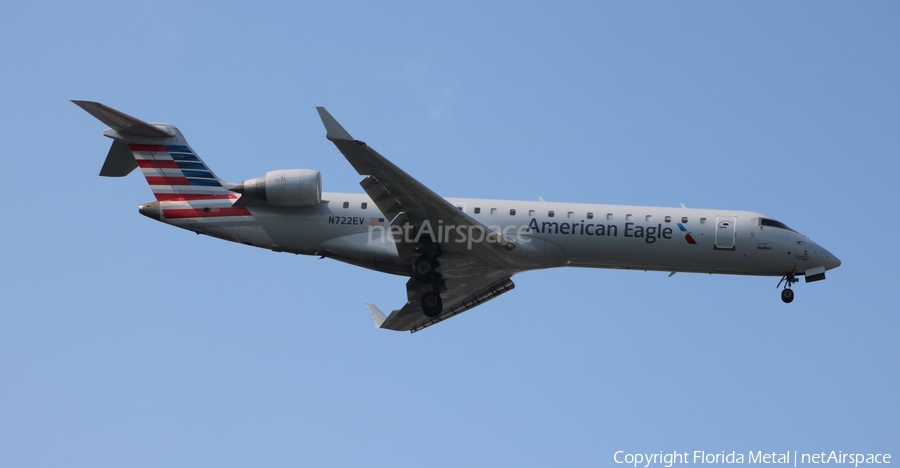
[{"x": 773, "y": 223}]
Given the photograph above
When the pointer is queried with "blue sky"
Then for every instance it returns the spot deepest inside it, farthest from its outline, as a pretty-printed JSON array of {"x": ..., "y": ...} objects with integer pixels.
[{"x": 129, "y": 342}]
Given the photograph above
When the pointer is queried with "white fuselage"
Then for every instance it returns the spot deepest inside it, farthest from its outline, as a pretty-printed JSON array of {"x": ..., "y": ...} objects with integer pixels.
[{"x": 555, "y": 235}]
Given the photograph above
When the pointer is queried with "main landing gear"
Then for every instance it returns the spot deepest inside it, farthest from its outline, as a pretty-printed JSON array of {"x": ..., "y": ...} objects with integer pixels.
[
  {"x": 432, "y": 305},
  {"x": 787, "y": 294},
  {"x": 424, "y": 269},
  {"x": 425, "y": 272}
]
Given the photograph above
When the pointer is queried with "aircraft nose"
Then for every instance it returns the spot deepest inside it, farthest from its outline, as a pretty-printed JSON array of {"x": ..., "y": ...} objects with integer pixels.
[{"x": 829, "y": 259}]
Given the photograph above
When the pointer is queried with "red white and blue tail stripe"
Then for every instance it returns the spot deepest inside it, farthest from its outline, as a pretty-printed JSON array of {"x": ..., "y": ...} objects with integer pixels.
[
  {"x": 174, "y": 172},
  {"x": 187, "y": 192}
]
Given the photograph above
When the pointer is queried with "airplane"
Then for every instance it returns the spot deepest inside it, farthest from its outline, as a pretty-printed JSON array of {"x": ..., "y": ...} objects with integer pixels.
[{"x": 458, "y": 253}]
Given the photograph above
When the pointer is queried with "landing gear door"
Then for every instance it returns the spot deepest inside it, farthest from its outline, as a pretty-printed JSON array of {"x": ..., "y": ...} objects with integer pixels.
[{"x": 725, "y": 232}]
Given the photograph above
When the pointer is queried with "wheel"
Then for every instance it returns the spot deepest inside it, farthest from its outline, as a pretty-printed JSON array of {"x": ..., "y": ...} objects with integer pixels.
[
  {"x": 424, "y": 269},
  {"x": 787, "y": 295},
  {"x": 432, "y": 304}
]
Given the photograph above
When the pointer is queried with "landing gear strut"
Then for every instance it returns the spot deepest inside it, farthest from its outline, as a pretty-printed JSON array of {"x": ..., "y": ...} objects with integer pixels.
[{"x": 787, "y": 294}]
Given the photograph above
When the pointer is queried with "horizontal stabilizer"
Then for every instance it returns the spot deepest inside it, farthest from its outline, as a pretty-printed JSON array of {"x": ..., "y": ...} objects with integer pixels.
[{"x": 121, "y": 122}]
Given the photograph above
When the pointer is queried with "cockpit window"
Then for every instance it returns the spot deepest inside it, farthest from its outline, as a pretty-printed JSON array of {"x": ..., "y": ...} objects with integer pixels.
[{"x": 773, "y": 223}]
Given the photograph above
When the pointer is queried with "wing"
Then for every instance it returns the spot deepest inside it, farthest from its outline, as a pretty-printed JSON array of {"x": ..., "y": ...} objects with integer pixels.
[
  {"x": 461, "y": 295},
  {"x": 470, "y": 272},
  {"x": 404, "y": 199}
]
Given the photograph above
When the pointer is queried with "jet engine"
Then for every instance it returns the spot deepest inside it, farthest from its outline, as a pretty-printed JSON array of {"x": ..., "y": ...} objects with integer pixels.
[{"x": 286, "y": 187}]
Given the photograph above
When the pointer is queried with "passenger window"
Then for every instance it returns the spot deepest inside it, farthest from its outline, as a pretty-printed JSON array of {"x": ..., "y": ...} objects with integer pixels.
[
  {"x": 684, "y": 219},
  {"x": 702, "y": 220},
  {"x": 512, "y": 212},
  {"x": 609, "y": 216},
  {"x": 346, "y": 204},
  {"x": 364, "y": 205},
  {"x": 531, "y": 213},
  {"x": 590, "y": 215},
  {"x": 571, "y": 214},
  {"x": 668, "y": 219},
  {"x": 628, "y": 217},
  {"x": 493, "y": 210},
  {"x": 550, "y": 214},
  {"x": 649, "y": 218},
  {"x": 477, "y": 210}
]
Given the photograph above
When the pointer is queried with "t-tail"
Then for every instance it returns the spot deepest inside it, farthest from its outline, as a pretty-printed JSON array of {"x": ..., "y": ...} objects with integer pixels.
[
  {"x": 170, "y": 166},
  {"x": 184, "y": 186}
]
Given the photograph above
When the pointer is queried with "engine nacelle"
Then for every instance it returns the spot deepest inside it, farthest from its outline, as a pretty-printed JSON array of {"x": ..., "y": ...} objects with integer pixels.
[{"x": 286, "y": 187}]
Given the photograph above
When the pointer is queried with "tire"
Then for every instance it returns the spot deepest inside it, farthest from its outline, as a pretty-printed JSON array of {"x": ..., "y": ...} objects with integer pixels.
[
  {"x": 424, "y": 269},
  {"x": 787, "y": 296},
  {"x": 432, "y": 305}
]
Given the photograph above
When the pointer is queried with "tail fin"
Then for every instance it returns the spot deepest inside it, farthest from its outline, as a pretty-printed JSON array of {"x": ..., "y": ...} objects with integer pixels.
[{"x": 171, "y": 167}]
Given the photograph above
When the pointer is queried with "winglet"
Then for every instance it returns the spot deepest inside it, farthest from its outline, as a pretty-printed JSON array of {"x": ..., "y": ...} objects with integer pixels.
[
  {"x": 377, "y": 316},
  {"x": 334, "y": 129},
  {"x": 120, "y": 121}
]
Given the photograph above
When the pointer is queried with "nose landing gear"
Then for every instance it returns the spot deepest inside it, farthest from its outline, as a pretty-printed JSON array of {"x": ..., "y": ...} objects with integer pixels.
[{"x": 787, "y": 294}]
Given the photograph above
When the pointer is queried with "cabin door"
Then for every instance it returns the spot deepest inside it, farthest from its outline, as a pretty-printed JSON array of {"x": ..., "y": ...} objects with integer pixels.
[{"x": 725, "y": 232}]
